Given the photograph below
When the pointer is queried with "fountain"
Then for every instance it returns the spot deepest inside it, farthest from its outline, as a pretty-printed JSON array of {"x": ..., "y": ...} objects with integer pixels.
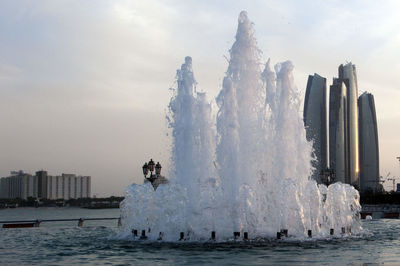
[{"x": 250, "y": 176}]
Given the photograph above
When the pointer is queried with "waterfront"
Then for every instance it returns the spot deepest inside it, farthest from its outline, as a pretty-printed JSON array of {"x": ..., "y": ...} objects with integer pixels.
[{"x": 63, "y": 243}]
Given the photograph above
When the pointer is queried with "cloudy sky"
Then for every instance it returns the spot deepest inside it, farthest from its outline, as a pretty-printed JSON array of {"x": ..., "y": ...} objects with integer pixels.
[{"x": 84, "y": 84}]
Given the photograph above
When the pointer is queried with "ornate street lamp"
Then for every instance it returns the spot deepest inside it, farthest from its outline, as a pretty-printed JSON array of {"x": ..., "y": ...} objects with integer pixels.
[
  {"x": 151, "y": 166},
  {"x": 154, "y": 179},
  {"x": 158, "y": 169},
  {"x": 145, "y": 168}
]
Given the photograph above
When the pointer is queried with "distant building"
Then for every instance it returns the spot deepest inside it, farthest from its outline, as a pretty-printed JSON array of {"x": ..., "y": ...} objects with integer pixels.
[
  {"x": 19, "y": 185},
  {"x": 369, "y": 148},
  {"x": 350, "y": 150},
  {"x": 347, "y": 74},
  {"x": 343, "y": 126},
  {"x": 66, "y": 186},
  {"x": 42, "y": 184},
  {"x": 316, "y": 122},
  {"x": 338, "y": 130}
]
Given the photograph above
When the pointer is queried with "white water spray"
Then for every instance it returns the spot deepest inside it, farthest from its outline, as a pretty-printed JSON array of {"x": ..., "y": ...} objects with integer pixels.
[{"x": 256, "y": 177}]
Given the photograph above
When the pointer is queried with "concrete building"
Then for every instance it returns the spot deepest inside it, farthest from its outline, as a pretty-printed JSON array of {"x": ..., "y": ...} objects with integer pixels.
[
  {"x": 42, "y": 185},
  {"x": 69, "y": 186},
  {"x": 369, "y": 148},
  {"x": 316, "y": 122},
  {"x": 54, "y": 188},
  {"x": 19, "y": 185},
  {"x": 86, "y": 186}
]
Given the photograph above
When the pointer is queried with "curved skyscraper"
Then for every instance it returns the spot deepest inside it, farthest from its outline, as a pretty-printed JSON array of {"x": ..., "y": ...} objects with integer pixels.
[
  {"x": 347, "y": 73},
  {"x": 338, "y": 130},
  {"x": 315, "y": 121},
  {"x": 369, "y": 148},
  {"x": 343, "y": 126},
  {"x": 349, "y": 150}
]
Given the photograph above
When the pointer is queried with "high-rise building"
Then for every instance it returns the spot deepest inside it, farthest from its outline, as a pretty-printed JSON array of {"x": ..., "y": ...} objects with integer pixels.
[
  {"x": 42, "y": 185},
  {"x": 347, "y": 73},
  {"x": 19, "y": 185},
  {"x": 369, "y": 148},
  {"x": 338, "y": 130},
  {"x": 68, "y": 186},
  {"x": 352, "y": 145},
  {"x": 343, "y": 126},
  {"x": 316, "y": 123}
]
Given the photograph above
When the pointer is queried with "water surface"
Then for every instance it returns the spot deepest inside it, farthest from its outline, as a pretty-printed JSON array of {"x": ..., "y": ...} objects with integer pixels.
[{"x": 64, "y": 243}]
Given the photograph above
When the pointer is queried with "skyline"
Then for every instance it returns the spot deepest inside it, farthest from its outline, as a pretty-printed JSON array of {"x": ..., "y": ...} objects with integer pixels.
[{"x": 84, "y": 85}]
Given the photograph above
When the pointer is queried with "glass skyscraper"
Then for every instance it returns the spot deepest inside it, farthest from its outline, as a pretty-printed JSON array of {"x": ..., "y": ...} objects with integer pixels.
[
  {"x": 369, "y": 148},
  {"x": 315, "y": 121},
  {"x": 348, "y": 143},
  {"x": 338, "y": 130},
  {"x": 347, "y": 73},
  {"x": 343, "y": 125}
]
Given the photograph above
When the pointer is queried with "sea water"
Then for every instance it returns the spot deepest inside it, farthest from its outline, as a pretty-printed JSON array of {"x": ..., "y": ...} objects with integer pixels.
[{"x": 97, "y": 243}]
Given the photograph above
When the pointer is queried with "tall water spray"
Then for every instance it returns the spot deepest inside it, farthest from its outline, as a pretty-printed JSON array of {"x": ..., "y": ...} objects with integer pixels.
[
  {"x": 193, "y": 142},
  {"x": 238, "y": 123},
  {"x": 252, "y": 174}
]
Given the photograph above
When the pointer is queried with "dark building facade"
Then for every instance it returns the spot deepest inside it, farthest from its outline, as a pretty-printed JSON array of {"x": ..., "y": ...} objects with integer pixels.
[
  {"x": 316, "y": 122},
  {"x": 338, "y": 130},
  {"x": 42, "y": 184},
  {"x": 369, "y": 147}
]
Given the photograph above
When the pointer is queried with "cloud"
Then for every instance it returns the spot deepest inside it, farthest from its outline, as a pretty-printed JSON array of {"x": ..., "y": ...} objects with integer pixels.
[
  {"x": 9, "y": 72},
  {"x": 85, "y": 83}
]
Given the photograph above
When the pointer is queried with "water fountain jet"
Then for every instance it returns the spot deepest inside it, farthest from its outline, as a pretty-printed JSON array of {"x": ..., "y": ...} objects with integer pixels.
[{"x": 253, "y": 173}]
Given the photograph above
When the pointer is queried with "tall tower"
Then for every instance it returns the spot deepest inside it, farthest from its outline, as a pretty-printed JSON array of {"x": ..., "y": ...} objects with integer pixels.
[
  {"x": 338, "y": 130},
  {"x": 347, "y": 73},
  {"x": 316, "y": 122},
  {"x": 369, "y": 148},
  {"x": 343, "y": 126}
]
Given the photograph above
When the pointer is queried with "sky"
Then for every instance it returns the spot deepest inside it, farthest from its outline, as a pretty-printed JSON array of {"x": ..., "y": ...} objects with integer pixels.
[{"x": 84, "y": 85}]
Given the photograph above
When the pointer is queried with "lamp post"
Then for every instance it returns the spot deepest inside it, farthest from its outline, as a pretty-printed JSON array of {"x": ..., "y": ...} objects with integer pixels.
[
  {"x": 145, "y": 168},
  {"x": 158, "y": 169},
  {"x": 150, "y": 167}
]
